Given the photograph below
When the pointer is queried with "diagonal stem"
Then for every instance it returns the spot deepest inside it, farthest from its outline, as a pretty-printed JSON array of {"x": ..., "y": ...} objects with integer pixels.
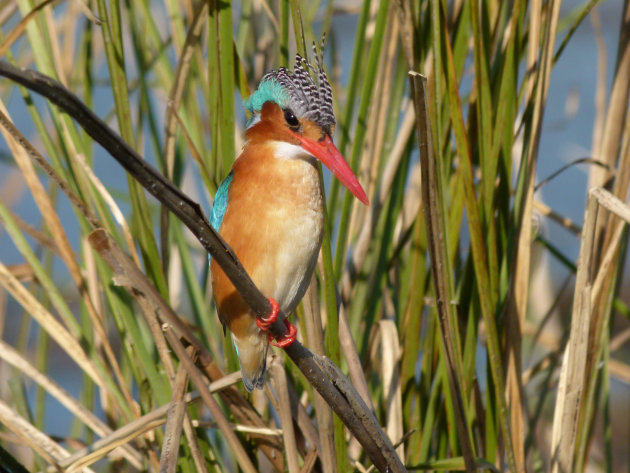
[{"x": 345, "y": 402}]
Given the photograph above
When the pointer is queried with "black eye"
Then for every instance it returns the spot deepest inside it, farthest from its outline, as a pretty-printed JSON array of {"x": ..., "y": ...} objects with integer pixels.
[{"x": 291, "y": 119}]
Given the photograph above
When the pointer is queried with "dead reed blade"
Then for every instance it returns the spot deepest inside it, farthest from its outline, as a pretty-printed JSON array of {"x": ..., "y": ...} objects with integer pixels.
[
  {"x": 390, "y": 355},
  {"x": 174, "y": 422},
  {"x": 41, "y": 443},
  {"x": 136, "y": 428},
  {"x": 279, "y": 383},
  {"x": 569, "y": 400},
  {"x": 323, "y": 413}
]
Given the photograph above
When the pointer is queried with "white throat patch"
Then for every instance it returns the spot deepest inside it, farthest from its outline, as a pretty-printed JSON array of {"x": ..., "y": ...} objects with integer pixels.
[{"x": 284, "y": 150}]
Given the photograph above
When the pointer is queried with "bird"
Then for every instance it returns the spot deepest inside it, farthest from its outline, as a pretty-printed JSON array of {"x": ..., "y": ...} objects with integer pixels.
[{"x": 270, "y": 207}]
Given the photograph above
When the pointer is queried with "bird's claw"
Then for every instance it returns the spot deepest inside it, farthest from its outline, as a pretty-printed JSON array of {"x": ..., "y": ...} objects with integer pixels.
[
  {"x": 287, "y": 339},
  {"x": 264, "y": 323}
]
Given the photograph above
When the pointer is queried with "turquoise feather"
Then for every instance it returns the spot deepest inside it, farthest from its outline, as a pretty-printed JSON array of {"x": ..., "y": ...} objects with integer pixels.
[
  {"x": 220, "y": 204},
  {"x": 269, "y": 90}
]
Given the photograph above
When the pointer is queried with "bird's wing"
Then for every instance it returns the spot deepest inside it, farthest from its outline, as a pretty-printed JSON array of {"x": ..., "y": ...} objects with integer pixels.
[{"x": 220, "y": 203}]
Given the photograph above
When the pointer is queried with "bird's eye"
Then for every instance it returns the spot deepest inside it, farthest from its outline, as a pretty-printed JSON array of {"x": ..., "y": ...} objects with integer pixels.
[{"x": 291, "y": 119}]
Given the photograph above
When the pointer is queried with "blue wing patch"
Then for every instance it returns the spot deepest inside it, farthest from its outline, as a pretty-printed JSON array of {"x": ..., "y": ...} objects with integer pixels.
[{"x": 220, "y": 203}]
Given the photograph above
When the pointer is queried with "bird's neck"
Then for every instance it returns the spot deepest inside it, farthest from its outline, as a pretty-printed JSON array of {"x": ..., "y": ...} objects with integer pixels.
[
  {"x": 271, "y": 145},
  {"x": 287, "y": 151},
  {"x": 275, "y": 163}
]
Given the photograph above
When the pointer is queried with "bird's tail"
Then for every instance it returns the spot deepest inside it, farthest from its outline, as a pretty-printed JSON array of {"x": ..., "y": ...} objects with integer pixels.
[{"x": 252, "y": 355}]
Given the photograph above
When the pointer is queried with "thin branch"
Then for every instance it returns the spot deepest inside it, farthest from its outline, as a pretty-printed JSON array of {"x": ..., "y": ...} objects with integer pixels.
[{"x": 330, "y": 383}]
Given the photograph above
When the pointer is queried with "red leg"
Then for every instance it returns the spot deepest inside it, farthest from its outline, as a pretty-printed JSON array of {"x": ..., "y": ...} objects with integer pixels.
[
  {"x": 265, "y": 322},
  {"x": 287, "y": 339}
]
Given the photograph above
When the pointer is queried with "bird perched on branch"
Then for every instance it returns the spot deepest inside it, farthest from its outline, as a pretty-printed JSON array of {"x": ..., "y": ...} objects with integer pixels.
[{"x": 270, "y": 207}]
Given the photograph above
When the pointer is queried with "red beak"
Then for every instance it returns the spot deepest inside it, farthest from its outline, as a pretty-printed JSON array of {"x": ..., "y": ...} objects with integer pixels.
[{"x": 329, "y": 155}]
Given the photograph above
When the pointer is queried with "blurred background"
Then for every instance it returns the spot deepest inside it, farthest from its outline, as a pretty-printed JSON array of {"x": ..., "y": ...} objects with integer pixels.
[{"x": 264, "y": 37}]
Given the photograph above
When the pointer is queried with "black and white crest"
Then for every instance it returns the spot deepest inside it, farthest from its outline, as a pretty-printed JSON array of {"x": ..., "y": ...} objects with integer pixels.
[{"x": 305, "y": 90}]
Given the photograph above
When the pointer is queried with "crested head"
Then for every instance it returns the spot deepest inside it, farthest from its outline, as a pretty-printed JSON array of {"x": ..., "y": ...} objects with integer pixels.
[
  {"x": 298, "y": 92},
  {"x": 296, "y": 114}
]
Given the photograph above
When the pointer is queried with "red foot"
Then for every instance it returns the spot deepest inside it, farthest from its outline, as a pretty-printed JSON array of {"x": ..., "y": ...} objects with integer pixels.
[
  {"x": 264, "y": 323},
  {"x": 287, "y": 339}
]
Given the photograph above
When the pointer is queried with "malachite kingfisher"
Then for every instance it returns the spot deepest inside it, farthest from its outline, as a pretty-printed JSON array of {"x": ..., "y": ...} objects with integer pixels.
[{"x": 270, "y": 207}]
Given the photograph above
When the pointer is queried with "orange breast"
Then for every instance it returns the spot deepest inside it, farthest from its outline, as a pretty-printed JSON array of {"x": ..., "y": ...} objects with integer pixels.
[{"x": 273, "y": 222}]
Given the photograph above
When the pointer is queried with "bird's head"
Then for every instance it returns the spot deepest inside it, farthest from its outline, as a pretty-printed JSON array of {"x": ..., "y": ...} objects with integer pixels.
[{"x": 293, "y": 108}]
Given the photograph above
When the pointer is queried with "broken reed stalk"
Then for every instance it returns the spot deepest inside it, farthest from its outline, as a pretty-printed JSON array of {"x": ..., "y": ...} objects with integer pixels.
[
  {"x": 588, "y": 283},
  {"x": 326, "y": 378}
]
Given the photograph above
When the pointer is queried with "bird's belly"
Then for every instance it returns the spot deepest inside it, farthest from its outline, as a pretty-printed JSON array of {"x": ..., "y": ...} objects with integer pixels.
[
  {"x": 274, "y": 224},
  {"x": 294, "y": 260},
  {"x": 290, "y": 216}
]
